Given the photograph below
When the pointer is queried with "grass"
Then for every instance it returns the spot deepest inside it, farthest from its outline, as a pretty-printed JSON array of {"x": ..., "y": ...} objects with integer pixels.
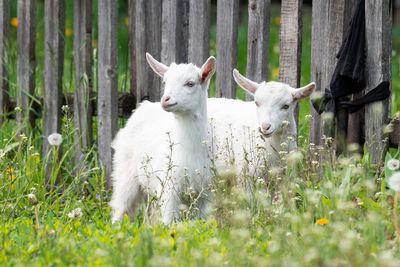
[{"x": 340, "y": 213}]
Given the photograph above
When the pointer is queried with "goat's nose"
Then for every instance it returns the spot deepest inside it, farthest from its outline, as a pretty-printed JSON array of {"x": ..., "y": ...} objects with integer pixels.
[
  {"x": 165, "y": 99},
  {"x": 265, "y": 127}
]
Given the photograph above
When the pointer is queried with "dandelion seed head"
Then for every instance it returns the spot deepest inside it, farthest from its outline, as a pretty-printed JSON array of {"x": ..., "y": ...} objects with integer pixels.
[
  {"x": 76, "y": 213},
  {"x": 32, "y": 199},
  {"x": 394, "y": 182},
  {"x": 55, "y": 139},
  {"x": 393, "y": 164}
]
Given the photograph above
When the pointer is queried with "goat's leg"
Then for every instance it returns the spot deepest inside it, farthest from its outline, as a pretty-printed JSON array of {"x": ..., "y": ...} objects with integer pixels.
[
  {"x": 170, "y": 204},
  {"x": 127, "y": 195}
]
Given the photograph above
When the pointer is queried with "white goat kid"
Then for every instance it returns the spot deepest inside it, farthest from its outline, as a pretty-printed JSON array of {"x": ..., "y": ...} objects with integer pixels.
[
  {"x": 258, "y": 128},
  {"x": 163, "y": 154}
]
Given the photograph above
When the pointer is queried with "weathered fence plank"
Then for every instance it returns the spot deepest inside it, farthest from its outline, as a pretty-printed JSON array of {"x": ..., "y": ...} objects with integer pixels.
[
  {"x": 132, "y": 48},
  {"x": 26, "y": 64},
  {"x": 83, "y": 78},
  {"x": 199, "y": 31},
  {"x": 330, "y": 21},
  {"x": 107, "y": 82},
  {"x": 54, "y": 28},
  {"x": 227, "y": 43},
  {"x": 258, "y": 41},
  {"x": 4, "y": 41},
  {"x": 378, "y": 17},
  {"x": 394, "y": 136},
  {"x": 290, "y": 41},
  {"x": 174, "y": 40},
  {"x": 148, "y": 39}
]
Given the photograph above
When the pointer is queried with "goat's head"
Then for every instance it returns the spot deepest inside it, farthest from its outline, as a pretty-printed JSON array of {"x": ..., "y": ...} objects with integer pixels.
[
  {"x": 185, "y": 85},
  {"x": 275, "y": 101}
]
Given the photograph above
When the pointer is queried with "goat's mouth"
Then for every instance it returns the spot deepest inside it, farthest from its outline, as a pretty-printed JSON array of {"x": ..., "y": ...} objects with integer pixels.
[
  {"x": 169, "y": 107},
  {"x": 266, "y": 135}
]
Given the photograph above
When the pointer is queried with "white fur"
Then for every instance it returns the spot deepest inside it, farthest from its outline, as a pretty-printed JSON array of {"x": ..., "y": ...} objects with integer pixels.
[{"x": 161, "y": 153}]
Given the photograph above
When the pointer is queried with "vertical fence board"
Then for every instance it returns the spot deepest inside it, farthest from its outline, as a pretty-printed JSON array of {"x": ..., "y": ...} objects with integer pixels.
[
  {"x": 258, "y": 41},
  {"x": 174, "y": 31},
  {"x": 4, "y": 41},
  {"x": 328, "y": 28},
  {"x": 227, "y": 45},
  {"x": 107, "y": 107},
  {"x": 148, "y": 39},
  {"x": 83, "y": 77},
  {"x": 199, "y": 31},
  {"x": 290, "y": 40},
  {"x": 378, "y": 17},
  {"x": 132, "y": 47},
  {"x": 26, "y": 64},
  {"x": 54, "y": 28}
]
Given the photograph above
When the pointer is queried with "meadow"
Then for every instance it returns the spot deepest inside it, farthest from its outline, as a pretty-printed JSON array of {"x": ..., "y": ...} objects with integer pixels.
[{"x": 306, "y": 213}]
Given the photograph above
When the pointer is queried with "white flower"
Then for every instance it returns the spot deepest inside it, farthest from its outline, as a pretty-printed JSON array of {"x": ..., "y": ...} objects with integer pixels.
[
  {"x": 394, "y": 182},
  {"x": 55, "y": 139},
  {"x": 32, "y": 199},
  {"x": 76, "y": 213},
  {"x": 393, "y": 164}
]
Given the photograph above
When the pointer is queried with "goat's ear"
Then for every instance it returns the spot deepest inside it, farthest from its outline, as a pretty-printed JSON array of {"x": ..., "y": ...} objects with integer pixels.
[
  {"x": 208, "y": 69},
  {"x": 303, "y": 92},
  {"x": 245, "y": 83},
  {"x": 158, "y": 67}
]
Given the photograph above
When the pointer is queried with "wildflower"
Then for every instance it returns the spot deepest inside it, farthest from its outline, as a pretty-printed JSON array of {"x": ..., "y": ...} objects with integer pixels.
[
  {"x": 68, "y": 32},
  {"x": 172, "y": 233},
  {"x": 284, "y": 145},
  {"x": 126, "y": 20},
  {"x": 393, "y": 164},
  {"x": 394, "y": 182},
  {"x": 52, "y": 232},
  {"x": 322, "y": 221},
  {"x": 65, "y": 108},
  {"x": 32, "y": 199},
  {"x": 285, "y": 123},
  {"x": 308, "y": 117},
  {"x": 277, "y": 20},
  {"x": 14, "y": 22},
  {"x": 10, "y": 172},
  {"x": 76, "y": 213},
  {"x": 275, "y": 72},
  {"x": 17, "y": 109},
  {"x": 55, "y": 139}
]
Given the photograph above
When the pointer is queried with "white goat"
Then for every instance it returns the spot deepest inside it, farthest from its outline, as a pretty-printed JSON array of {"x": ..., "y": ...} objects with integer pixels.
[
  {"x": 163, "y": 153},
  {"x": 258, "y": 124}
]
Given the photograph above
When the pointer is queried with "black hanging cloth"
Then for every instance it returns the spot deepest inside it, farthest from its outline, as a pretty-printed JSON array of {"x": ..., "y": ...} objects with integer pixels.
[{"x": 349, "y": 75}]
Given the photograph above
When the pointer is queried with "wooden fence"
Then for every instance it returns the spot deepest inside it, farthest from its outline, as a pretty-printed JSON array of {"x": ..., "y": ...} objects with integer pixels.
[{"x": 179, "y": 30}]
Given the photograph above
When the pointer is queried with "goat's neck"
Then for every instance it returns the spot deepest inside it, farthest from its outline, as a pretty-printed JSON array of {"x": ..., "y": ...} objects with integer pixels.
[{"x": 191, "y": 132}]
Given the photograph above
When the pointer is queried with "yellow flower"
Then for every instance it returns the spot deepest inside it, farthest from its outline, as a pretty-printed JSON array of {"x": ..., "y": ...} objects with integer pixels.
[
  {"x": 126, "y": 20},
  {"x": 172, "y": 233},
  {"x": 14, "y": 22},
  {"x": 94, "y": 43},
  {"x": 12, "y": 176},
  {"x": 277, "y": 20},
  {"x": 322, "y": 221},
  {"x": 275, "y": 72},
  {"x": 68, "y": 32}
]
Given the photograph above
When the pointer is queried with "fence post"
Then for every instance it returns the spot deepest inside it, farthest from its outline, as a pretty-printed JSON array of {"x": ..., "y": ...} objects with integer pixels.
[
  {"x": 147, "y": 39},
  {"x": 107, "y": 103},
  {"x": 174, "y": 40},
  {"x": 83, "y": 78},
  {"x": 330, "y": 19},
  {"x": 290, "y": 41},
  {"x": 199, "y": 31},
  {"x": 4, "y": 41},
  {"x": 26, "y": 64},
  {"x": 54, "y": 28},
  {"x": 378, "y": 17},
  {"x": 227, "y": 44},
  {"x": 132, "y": 47},
  {"x": 258, "y": 41}
]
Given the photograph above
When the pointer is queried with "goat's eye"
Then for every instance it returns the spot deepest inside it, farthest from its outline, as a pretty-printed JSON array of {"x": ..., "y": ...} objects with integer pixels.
[
  {"x": 257, "y": 104},
  {"x": 189, "y": 84},
  {"x": 285, "y": 107}
]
